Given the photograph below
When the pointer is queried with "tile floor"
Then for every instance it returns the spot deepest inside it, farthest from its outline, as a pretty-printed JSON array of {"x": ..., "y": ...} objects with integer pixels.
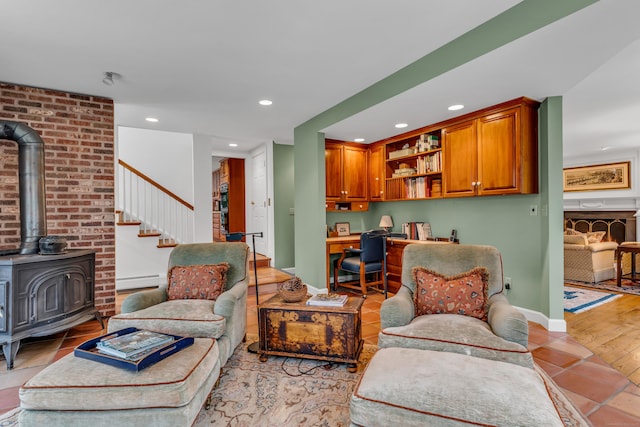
[{"x": 602, "y": 393}]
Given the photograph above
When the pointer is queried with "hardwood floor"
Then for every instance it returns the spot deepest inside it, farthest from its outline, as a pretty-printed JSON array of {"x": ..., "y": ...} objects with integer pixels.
[{"x": 612, "y": 332}]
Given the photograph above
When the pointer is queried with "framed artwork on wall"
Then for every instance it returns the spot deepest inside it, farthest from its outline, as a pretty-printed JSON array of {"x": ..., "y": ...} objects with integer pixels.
[
  {"x": 610, "y": 176},
  {"x": 343, "y": 228}
]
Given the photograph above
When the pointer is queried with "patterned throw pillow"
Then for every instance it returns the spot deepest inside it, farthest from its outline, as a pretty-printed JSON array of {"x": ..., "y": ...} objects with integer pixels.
[
  {"x": 465, "y": 293},
  {"x": 197, "y": 281},
  {"x": 572, "y": 232},
  {"x": 595, "y": 236}
]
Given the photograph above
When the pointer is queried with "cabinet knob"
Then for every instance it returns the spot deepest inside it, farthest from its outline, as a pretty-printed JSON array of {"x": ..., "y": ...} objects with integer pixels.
[
  {"x": 346, "y": 192},
  {"x": 473, "y": 184},
  {"x": 478, "y": 184},
  {"x": 377, "y": 179}
]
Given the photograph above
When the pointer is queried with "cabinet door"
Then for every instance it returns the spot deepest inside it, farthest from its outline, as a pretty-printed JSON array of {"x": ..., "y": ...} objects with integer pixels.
[
  {"x": 460, "y": 160},
  {"x": 333, "y": 167},
  {"x": 376, "y": 173},
  {"x": 354, "y": 173},
  {"x": 499, "y": 153}
]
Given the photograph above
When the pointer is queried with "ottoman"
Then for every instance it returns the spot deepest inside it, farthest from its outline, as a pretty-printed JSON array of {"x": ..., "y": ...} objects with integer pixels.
[
  {"x": 80, "y": 392},
  {"x": 411, "y": 387}
]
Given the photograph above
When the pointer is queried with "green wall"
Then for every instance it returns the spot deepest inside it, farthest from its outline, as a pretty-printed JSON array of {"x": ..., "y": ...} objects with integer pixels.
[
  {"x": 502, "y": 221},
  {"x": 283, "y": 193}
]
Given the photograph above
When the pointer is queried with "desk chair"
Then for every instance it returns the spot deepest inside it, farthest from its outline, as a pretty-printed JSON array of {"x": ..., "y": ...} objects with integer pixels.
[{"x": 366, "y": 260}]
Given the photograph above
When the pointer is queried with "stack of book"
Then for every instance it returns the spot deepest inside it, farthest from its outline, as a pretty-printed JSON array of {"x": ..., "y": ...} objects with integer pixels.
[
  {"x": 417, "y": 230},
  {"x": 436, "y": 188},
  {"x": 133, "y": 346},
  {"x": 330, "y": 300}
]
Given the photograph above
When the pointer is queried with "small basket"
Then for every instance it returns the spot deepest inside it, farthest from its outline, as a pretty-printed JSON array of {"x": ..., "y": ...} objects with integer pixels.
[{"x": 292, "y": 290}]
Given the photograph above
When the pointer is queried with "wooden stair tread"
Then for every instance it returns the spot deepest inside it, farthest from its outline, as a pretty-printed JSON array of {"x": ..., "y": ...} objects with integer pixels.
[
  {"x": 261, "y": 260},
  {"x": 149, "y": 234},
  {"x": 129, "y": 223}
]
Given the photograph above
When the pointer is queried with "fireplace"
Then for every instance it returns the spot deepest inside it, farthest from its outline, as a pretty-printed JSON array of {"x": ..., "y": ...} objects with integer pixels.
[
  {"x": 39, "y": 294},
  {"x": 620, "y": 226}
]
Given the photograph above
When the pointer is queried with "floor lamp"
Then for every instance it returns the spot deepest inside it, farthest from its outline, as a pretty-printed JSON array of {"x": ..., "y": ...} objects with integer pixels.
[{"x": 234, "y": 237}]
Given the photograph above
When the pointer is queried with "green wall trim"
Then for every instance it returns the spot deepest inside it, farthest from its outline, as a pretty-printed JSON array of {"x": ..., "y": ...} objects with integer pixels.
[
  {"x": 502, "y": 221},
  {"x": 283, "y": 192}
]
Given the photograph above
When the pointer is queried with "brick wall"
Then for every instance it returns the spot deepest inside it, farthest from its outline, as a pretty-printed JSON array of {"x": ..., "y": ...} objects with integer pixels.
[{"x": 78, "y": 135}]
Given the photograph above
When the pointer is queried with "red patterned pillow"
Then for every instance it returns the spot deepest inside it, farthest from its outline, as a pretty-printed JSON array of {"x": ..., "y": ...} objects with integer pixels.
[
  {"x": 197, "y": 281},
  {"x": 465, "y": 293}
]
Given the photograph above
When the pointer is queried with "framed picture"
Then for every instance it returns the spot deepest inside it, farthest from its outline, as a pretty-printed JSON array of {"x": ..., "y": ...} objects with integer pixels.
[
  {"x": 610, "y": 176},
  {"x": 343, "y": 228}
]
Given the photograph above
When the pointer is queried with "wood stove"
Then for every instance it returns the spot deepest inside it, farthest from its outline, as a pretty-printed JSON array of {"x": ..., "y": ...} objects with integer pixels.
[
  {"x": 44, "y": 294},
  {"x": 39, "y": 294}
]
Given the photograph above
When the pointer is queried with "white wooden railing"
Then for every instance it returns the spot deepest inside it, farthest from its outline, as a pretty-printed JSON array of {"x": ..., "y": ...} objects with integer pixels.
[{"x": 141, "y": 199}]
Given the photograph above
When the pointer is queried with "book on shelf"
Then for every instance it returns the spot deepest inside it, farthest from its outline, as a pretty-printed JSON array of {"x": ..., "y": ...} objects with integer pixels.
[
  {"x": 331, "y": 300},
  {"x": 135, "y": 345}
]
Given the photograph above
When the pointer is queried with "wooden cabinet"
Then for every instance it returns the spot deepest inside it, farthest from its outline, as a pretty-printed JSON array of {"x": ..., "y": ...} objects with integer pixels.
[
  {"x": 376, "y": 173},
  {"x": 215, "y": 184},
  {"x": 489, "y": 152},
  {"x": 346, "y": 172},
  {"x": 494, "y": 154},
  {"x": 460, "y": 159},
  {"x": 224, "y": 171},
  {"x": 217, "y": 237}
]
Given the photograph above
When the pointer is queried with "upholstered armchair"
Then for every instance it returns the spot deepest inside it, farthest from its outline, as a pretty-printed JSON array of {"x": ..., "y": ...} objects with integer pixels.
[
  {"x": 588, "y": 262},
  {"x": 224, "y": 318},
  {"x": 493, "y": 330}
]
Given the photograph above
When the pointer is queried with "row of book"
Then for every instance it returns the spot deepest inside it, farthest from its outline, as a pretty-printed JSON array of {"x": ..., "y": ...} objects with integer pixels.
[
  {"x": 417, "y": 188},
  {"x": 429, "y": 163},
  {"x": 417, "y": 230}
]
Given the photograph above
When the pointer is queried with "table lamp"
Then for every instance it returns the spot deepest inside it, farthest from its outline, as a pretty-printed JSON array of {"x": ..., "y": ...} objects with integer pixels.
[{"x": 386, "y": 222}]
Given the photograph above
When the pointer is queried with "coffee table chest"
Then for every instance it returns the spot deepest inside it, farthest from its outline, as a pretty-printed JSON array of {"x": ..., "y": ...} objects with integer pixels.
[{"x": 311, "y": 332}]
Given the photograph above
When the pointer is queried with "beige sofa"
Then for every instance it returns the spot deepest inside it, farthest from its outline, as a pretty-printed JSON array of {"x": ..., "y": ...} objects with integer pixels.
[{"x": 588, "y": 262}]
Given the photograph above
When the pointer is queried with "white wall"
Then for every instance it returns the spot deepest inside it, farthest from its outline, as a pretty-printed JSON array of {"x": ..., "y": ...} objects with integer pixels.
[
  {"x": 609, "y": 200},
  {"x": 202, "y": 189},
  {"x": 165, "y": 157}
]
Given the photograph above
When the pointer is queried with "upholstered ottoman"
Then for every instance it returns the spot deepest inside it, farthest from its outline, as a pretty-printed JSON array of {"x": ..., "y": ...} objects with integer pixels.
[
  {"x": 80, "y": 392},
  {"x": 411, "y": 387}
]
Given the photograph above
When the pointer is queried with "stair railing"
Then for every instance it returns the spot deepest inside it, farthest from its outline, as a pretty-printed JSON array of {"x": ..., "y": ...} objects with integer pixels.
[{"x": 141, "y": 199}]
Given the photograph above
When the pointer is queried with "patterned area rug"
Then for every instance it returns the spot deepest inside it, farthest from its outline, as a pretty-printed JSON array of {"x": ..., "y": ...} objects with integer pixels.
[
  {"x": 577, "y": 300},
  {"x": 628, "y": 287},
  {"x": 297, "y": 392},
  {"x": 282, "y": 392}
]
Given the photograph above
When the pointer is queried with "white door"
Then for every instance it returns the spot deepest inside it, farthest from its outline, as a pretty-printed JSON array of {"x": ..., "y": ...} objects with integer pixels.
[{"x": 259, "y": 201}]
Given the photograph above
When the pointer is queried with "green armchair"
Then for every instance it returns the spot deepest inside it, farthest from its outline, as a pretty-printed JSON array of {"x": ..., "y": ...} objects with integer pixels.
[
  {"x": 224, "y": 319},
  {"x": 503, "y": 337}
]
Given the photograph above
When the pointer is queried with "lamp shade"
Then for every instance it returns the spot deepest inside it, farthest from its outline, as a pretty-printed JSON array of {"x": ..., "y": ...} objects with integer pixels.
[{"x": 386, "y": 222}]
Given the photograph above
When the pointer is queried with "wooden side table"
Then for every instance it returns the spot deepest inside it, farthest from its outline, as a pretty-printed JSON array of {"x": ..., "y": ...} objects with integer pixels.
[
  {"x": 633, "y": 249},
  {"x": 311, "y": 332}
]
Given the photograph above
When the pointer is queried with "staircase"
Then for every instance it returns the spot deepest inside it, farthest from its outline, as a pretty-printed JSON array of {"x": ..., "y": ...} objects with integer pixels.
[{"x": 157, "y": 212}]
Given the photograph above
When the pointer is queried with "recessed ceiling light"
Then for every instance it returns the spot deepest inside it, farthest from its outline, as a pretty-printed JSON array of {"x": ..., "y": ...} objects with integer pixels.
[
  {"x": 265, "y": 102},
  {"x": 233, "y": 145},
  {"x": 401, "y": 125},
  {"x": 604, "y": 148},
  {"x": 151, "y": 119},
  {"x": 359, "y": 140},
  {"x": 456, "y": 107}
]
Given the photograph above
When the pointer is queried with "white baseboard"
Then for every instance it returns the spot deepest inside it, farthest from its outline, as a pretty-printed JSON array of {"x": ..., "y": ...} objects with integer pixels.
[
  {"x": 290, "y": 270},
  {"x": 137, "y": 282},
  {"x": 552, "y": 325}
]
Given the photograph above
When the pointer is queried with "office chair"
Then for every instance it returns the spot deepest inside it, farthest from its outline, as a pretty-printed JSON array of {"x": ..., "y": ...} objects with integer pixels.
[{"x": 364, "y": 261}]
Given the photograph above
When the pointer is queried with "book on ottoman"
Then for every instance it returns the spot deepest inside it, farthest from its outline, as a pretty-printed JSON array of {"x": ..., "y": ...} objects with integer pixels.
[{"x": 151, "y": 348}]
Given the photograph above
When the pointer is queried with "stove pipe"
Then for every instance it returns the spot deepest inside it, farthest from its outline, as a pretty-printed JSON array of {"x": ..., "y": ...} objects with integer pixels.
[{"x": 33, "y": 224}]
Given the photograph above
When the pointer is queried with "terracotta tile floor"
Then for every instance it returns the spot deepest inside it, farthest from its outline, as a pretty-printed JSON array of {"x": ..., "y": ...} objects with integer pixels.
[{"x": 607, "y": 397}]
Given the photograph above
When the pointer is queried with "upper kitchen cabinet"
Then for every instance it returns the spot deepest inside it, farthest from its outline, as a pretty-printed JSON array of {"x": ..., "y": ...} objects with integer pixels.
[
  {"x": 493, "y": 152},
  {"x": 346, "y": 171}
]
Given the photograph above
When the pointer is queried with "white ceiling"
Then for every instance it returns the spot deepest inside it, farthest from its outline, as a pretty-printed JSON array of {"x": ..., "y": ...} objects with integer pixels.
[{"x": 200, "y": 66}]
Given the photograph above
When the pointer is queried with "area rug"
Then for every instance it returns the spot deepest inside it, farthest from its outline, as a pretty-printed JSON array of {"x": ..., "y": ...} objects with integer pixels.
[
  {"x": 628, "y": 287},
  {"x": 577, "y": 300}
]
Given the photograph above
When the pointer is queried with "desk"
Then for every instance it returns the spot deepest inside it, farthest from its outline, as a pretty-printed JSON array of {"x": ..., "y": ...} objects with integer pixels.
[
  {"x": 633, "y": 249},
  {"x": 335, "y": 245}
]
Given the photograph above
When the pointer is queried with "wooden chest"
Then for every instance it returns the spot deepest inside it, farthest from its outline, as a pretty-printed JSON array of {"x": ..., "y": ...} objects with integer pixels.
[{"x": 311, "y": 332}]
